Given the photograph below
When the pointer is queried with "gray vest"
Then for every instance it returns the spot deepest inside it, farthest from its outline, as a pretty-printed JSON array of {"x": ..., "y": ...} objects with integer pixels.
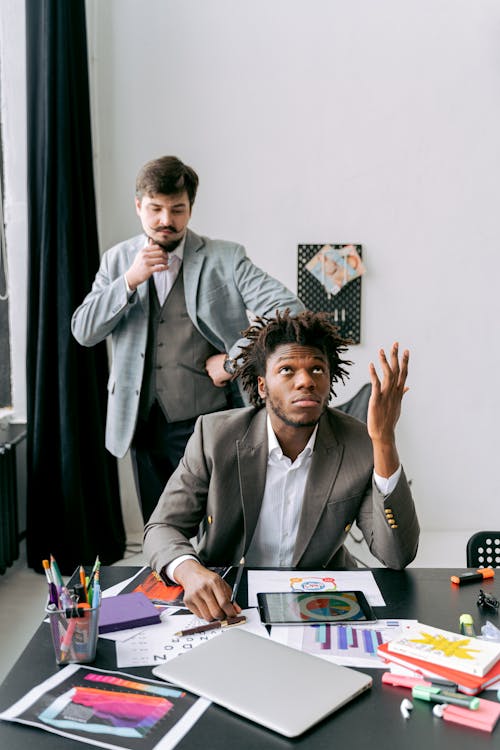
[{"x": 176, "y": 352}]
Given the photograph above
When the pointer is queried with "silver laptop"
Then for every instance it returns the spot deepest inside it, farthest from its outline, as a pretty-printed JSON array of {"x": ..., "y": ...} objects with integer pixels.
[{"x": 274, "y": 685}]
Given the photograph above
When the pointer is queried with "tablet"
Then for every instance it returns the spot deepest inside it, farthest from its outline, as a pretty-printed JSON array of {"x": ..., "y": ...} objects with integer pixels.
[{"x": 307, "y": 608}]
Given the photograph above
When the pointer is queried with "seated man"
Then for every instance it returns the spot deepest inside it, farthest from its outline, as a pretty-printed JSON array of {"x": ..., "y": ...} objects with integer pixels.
[{"x": 281, "y": 482}]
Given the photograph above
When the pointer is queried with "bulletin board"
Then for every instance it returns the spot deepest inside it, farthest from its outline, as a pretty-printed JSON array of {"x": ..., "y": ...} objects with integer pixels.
[{"x": 345, "y": 305}]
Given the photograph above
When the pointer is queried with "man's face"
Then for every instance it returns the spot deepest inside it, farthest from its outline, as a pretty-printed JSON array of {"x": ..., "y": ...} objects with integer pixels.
[
  {"x": 296, "y": 386},
  {"x": 164, "y": 218}
]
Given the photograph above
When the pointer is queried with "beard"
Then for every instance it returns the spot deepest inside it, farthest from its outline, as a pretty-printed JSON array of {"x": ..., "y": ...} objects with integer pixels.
[
  {"x": 167, "y": 245},
  {"x": 275, "y": 408}
]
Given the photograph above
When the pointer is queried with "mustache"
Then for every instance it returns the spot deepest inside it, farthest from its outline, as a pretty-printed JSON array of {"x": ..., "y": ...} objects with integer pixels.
[{"x": 168, "y": 228}]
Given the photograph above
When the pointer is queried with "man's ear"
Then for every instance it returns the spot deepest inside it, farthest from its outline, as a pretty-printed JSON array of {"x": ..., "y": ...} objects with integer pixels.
[
  {"x": 261, "y": 387},
  {"x": 137, "y": 206}
]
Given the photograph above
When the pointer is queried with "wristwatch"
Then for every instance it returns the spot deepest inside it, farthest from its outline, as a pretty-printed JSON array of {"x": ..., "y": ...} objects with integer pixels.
[{"x": 229, "y": 365}]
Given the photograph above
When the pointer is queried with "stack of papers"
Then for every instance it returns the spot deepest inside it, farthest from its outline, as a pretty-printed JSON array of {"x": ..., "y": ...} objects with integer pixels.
[{"x": 471, "y": 663}]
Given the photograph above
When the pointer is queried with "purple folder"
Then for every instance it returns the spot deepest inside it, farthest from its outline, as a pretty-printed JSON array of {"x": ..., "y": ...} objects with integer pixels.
[{"x": 127, "y": 611}]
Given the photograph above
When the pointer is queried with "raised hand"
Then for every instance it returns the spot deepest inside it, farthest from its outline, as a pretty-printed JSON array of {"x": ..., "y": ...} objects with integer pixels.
[{"x": 384, "y": 407}]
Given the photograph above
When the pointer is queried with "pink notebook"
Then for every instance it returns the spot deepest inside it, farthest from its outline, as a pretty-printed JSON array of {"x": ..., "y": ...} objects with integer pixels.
[{"x": 484, "y": 718}]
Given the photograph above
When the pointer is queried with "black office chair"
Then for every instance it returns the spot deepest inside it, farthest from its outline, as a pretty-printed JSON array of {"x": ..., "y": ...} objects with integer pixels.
[
  {"x": 357, "y": 406},
  {"x": 483, "y": 550}
]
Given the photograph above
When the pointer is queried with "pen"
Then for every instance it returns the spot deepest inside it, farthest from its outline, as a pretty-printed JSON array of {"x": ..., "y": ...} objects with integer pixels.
[
  {"x": 479, "y": 575},
  {"x": 437, "y": 695},
  {"x": 96, "y": 590},
  {"x": 97, "y": 565},
  {"x": 238, "y": 579},
  {"x": 215, "y": 625},
  {"x": 56, "y": 574},
  {"x": 53, "y": 598}
]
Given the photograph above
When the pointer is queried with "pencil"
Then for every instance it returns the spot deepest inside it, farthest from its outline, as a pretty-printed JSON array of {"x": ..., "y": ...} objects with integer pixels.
[
  {"x": 238, "y": 579},
  {"x": 215, "y": 625}
]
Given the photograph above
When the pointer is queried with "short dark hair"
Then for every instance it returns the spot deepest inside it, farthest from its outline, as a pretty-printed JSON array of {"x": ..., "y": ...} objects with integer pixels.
[
  {"x": 307, "y": 329},
  {"x": 166, "y": 176}
]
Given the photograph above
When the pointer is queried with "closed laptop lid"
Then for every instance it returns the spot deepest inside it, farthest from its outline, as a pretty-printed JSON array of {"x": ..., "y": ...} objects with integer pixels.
[{"x": 274, "y": 685}]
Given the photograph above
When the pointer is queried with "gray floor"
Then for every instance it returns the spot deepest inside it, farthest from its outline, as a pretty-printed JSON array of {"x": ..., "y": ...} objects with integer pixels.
[{"x": 23, "y": 592}]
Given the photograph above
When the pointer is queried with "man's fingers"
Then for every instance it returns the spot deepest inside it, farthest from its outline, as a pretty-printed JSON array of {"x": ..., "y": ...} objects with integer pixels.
[
  {"x": 374, "y": 378},
  {"x": 211, "y": 600},
  {"x": 404, "y": 370},
  {"x": 394, "y": 374},
  {"x": 395, "y": 359}
]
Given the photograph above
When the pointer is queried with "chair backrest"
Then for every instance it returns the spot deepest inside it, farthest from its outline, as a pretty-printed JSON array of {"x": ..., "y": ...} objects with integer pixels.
[
  {"x": 483, "y": 550},
  {"x": 357, "y": 406}
]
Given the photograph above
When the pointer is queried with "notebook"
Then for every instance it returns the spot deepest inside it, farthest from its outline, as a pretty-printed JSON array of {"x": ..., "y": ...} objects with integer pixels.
[
  {"x": 126, "y": 611},
  {"x": 447, "y": 649},
  {"x": 274, "y": 685}
]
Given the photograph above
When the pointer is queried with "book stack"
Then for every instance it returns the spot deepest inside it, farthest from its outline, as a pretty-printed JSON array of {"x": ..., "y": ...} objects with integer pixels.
[{"x": 470, "y": 663}]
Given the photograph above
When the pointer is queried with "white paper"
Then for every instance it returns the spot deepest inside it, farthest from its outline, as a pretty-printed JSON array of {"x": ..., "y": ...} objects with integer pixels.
[
  {"x": 157, "y": 644},
  {"x": 351, "y": 645},
  {"x": 314, "y": 582}
]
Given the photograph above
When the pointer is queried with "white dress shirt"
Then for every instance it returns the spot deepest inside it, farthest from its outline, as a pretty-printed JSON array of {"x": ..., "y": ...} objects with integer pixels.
[{"x": 274, "y": 537}]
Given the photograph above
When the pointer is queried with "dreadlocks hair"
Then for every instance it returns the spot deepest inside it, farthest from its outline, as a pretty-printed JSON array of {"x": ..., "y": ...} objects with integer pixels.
[{"x": 307, "y": 329}]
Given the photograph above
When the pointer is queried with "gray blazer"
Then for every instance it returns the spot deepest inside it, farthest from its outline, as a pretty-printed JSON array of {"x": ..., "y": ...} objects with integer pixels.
[
  {"x": 219, "y": 486},
  {"x": 221, "y": 284}
]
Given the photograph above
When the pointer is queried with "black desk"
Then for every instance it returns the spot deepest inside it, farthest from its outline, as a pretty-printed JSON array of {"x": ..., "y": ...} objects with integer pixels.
[{"x": 371, "y": 721}]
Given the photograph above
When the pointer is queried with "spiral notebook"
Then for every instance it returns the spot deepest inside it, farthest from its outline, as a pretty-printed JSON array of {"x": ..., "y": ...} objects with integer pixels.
[{"x": 265, "y": 681}]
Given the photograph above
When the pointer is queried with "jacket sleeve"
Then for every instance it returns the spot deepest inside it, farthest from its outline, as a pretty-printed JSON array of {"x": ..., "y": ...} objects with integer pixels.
[
  {"x": 103, "y": 307},
  {"x": 390, "y": 525}
]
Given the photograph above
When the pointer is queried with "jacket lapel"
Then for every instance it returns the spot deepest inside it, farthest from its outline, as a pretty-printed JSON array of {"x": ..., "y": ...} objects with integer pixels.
[
  {"x": 194, "y": 258},
  {"x": 252, "y": 453},
  {"x": 325, "y": 465}
]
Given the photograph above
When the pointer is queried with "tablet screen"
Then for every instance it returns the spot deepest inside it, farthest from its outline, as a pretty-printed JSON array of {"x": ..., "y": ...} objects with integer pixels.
[{"x": 298, "y": 608}]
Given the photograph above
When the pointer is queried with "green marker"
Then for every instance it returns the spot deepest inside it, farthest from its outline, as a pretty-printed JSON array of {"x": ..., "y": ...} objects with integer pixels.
[{"x": 437, "y": 695}]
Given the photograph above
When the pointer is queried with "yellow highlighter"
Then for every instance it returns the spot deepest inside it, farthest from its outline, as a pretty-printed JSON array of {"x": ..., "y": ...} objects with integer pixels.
[{"x": 467, "y": 625}]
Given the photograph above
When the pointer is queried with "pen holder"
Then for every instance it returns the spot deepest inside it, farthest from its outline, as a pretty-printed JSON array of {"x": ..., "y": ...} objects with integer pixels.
[{"x": 74, "y": 633}]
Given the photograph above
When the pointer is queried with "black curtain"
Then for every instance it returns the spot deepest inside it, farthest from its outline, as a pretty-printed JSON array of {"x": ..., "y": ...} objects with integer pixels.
[{"x": 73, "y": 503}]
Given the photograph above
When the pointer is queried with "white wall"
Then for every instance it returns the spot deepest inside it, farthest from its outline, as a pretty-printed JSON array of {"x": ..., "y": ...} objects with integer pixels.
[
  {"x": 370, "y": 121},
  {"x": 333, "y": 121}
]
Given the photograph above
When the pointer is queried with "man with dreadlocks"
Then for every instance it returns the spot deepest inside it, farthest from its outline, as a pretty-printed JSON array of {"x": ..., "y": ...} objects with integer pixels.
[{"x": 282, "y": 481}]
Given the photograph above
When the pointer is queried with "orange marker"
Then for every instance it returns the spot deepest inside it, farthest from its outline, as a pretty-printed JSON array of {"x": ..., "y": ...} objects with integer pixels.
[
  {"x": 479, "y": 575},
  {"x": 83, "y": 580}
]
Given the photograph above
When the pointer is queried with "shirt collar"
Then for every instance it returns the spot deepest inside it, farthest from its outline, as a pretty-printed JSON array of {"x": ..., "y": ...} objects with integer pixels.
[
  {"x": 179, "y": 250},
  {"x": 273, "y": 446}
]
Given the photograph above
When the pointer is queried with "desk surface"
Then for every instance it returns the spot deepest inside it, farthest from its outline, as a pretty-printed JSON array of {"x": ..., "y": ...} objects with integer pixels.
[{"x": 372, "y": 720}]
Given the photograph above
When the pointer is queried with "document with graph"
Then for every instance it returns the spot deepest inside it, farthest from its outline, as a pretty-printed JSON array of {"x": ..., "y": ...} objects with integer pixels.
[{"x": 350, "y": 645}]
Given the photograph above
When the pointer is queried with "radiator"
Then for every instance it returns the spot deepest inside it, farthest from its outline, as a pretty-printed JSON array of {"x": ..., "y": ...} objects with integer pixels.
[{"x": 12, "y": 453}]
